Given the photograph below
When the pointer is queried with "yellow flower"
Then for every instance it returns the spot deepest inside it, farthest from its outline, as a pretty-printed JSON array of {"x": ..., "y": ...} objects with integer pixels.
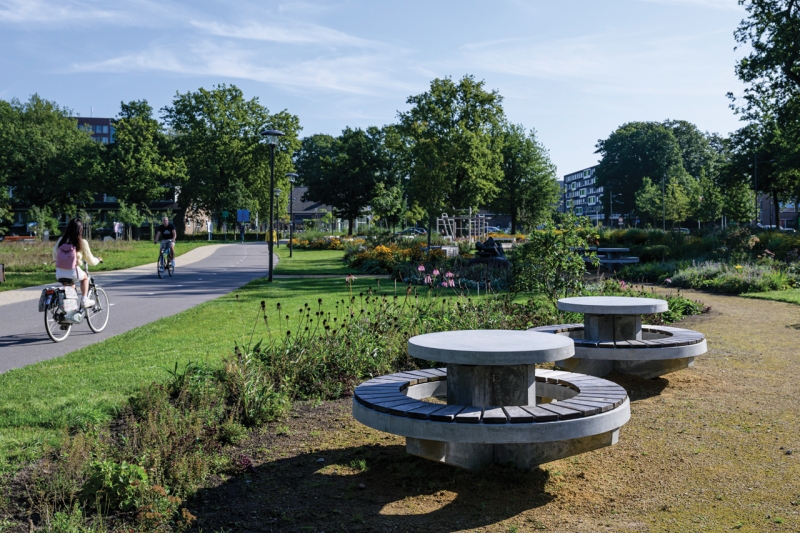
[{"x": 738, "y": 266}]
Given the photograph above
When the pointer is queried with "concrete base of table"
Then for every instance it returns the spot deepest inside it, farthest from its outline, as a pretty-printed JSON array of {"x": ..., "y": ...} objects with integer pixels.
[
  {"x": 644, "y": 369},
  {"x": 477, "y": 456}
]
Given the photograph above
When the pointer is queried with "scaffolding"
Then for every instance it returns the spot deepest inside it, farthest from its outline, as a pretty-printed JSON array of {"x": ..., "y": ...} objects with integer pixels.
[{"x": 472, "y": 227}]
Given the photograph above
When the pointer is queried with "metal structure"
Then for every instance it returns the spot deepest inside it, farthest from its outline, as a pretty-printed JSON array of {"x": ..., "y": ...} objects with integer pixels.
[
  {"x": 272, "y": 139},
  {"x": 470, "y": 226}
]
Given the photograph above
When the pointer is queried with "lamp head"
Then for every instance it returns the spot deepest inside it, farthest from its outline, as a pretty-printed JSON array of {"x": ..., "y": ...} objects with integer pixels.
[
  {"x": 272, "y": 136},
  {"x": 292, "y": 177}
]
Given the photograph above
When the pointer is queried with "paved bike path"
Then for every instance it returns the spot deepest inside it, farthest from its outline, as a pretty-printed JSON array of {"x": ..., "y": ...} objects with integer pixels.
[{"x": 137, "y": 297}]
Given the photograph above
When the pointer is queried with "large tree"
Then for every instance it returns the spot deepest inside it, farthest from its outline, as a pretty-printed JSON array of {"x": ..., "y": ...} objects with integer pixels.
[
  {"x": 45, "y": 157},
  {"x": 634, "y": 151},
  {"x": 451, "y": 138},
  {"x": 217, "y": 133},
  {"x": 141, "y": 167},
  {"x": 528, "y": 190},
  {"x": 343, "y": 171}
]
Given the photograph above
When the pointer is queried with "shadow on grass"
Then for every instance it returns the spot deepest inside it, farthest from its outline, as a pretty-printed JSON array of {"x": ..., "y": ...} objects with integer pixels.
[
  {"x": 639, "y": 388},
  {"x": 367, "y": 488}
]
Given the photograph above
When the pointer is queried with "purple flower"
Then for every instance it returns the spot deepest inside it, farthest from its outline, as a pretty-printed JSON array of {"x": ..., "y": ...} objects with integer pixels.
[
  {"x": 427, "y": 280},
  {"x": 448, "y": 274},
  {"x": 668, "y": 280},
  {"x": 421, "y": 268},
  {"x": 444, "y": 284},
  {"x": 435, "y": 271},
  {"x": 451, "y": 283}
]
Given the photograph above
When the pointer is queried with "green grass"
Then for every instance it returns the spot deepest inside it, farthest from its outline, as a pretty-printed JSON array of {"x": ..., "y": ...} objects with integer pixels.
[
  {"x": 791, "y": 296},
  {"x": 306, "y": 262},
  {"x": 38, "y": 402},
  {"x": 30, "y": 264}
]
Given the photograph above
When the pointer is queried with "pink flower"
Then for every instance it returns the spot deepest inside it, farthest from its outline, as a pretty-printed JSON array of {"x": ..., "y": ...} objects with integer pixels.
[
  {"x": 444, "y": 284},
  {"x": 622, "y": 285},
  {"x": 435, "y": 271},
  {"x": 668, "y": 280},
  {"x": 421, "y": 268},
  {"x": 427, "y": 280},
  {"x": 448, "y": 274},
  {"x": 451, "y": 283}
]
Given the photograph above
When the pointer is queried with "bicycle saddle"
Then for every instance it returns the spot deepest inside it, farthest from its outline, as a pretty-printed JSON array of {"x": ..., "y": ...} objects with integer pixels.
[{"x": 66, "y": 281}]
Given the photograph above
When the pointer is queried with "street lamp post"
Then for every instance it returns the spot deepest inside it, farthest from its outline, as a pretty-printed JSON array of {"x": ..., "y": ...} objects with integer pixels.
[
  {"x": 272, "y": 140},
  {"x": 277, "y": 217},
  {"x": 292, "y": 177},
  {"x": 664, "y": 203}
]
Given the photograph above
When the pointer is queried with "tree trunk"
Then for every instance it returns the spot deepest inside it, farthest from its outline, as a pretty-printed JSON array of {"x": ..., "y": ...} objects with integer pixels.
[
  {"x": 513, "y": 222},
  {"x": 777, "y": 205},
  {"x": 180, "y": 221},
  {"x": 350, "y": 223}
]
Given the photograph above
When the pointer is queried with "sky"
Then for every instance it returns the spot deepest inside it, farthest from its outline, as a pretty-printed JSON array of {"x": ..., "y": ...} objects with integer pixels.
[{"x": 573, "y": 70}]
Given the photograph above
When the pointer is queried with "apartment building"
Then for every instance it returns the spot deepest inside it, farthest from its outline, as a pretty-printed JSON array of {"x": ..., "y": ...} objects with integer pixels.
[
  {"x": 102, "y": 129},
  {"x": 581, "y": 196}
]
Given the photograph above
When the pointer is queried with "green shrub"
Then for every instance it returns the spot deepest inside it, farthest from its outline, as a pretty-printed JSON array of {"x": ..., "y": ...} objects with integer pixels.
[
  {"x": 113, "y": 485},
  {"x": 734, "y": 279}
]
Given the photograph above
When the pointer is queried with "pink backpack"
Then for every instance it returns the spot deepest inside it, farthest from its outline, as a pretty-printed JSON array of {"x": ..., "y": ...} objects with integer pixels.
[{"x": 66, "y": 257}]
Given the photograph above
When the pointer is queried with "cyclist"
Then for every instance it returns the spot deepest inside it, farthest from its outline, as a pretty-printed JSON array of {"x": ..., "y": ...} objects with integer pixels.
[
  {"x": 72, "y": 249},
  {"x": 168, "y": 234}
]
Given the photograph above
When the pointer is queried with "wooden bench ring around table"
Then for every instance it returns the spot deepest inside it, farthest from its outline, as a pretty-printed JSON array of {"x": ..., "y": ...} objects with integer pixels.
[{"x": 586, "y": 414}]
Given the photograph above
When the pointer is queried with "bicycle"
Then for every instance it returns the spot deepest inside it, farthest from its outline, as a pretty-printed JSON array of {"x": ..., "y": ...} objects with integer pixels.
[
  {"x": 62, "y": 309},
  {"x": 165, "y": 262}
]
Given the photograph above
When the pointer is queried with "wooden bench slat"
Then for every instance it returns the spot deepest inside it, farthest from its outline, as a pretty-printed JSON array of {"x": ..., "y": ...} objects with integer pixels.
[
  {"x": 470, "y": 415},
  {"x": 517, "y": 415},
  {"x": 563, "y": 413},
  {"x": 494, "y": 415},
  {"x": 539, "y": 414},
  {"x": 448, "y": 414},
  {"x": 423, "y": 412},
  {"x": 603, "y": 405},
  {"x": 585, "y": 410},
  {"x": 402, "y": 409}
]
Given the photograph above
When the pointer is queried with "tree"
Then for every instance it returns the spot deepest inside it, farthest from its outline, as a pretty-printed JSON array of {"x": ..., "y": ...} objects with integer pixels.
[
  {"x": 45, "y": 221},
  {"x": 45, "y": 158},
  {"x": 739, "y": 204},
  {"x": 633, "y": 151},
  {"x": 648, "y": 200},
  {"x": 130, "y": 216},
  {"x": 451, "y": 140},
  {"x": 217, "y": 133},
  {"x": 387, "y": 203},
  {"x": 528, "y": 190},
  {"x": 342, "y": 171},
  {"x": 141, "y": 168},
  {"x": 697, "y": 152},
  {"x": 676, "y": 201},
  {"x": 712, "y": 200}
]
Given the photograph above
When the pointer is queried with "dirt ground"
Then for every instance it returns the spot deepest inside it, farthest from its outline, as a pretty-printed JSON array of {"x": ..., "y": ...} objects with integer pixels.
[{"x": 712, "y": 448}]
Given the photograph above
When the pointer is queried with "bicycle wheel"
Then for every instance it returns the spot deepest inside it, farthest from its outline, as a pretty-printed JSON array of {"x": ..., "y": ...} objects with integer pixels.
[
  {"x": 97, "y": 316},
  {"x": 161, "y": 266},
  {"x": 170, "y": 266},
  {"x": 55, "y": 330}
]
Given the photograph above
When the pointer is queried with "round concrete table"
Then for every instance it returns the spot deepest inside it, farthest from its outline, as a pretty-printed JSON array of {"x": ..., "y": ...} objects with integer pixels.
[
  {"x": 613, "y": 338},
  {"x": 491, "y": 367}
]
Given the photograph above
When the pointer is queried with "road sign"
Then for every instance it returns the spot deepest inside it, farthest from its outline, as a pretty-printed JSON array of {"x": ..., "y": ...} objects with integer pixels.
[{"x": 243, "y": 215}]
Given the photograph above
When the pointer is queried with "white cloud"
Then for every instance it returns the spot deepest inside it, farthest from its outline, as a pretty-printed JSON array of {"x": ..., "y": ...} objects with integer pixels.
[
  {"x": 290, "y": 33},
  {"x": 142, "y": 13},
  {"x": 366, "y": 74}
]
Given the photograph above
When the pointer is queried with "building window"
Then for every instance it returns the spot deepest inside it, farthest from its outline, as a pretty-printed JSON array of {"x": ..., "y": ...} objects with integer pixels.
[
  {"x": 578, "y": 210},
  {"x": 592, "y": 200},
  {"x": 582, "y": 193},
  {"x": 574, "y": 186}
]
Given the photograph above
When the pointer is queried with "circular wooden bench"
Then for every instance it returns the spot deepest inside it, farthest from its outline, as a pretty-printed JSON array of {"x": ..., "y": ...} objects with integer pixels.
[
  {"x": 586, "y": 414},
  {"x": 657, "y": 343}
]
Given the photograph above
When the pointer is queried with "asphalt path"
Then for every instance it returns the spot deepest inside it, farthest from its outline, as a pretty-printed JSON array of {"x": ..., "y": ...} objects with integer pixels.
[{"x": 137, "y": 297}]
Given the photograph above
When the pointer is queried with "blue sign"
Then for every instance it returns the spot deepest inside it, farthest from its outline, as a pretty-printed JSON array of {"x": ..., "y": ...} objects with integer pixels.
[{"x": 243, "y": 215}]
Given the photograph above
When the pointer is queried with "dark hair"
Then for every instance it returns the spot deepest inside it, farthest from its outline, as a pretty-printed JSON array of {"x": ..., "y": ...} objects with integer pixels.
[{"x": 72, "y": 234}]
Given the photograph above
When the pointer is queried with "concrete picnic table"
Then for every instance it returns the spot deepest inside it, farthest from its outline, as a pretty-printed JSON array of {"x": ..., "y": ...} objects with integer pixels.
[
  {"x": 612, "y": 337},
  {"x": 612, "y": 258},
  {"x": 498, "y": 407}
]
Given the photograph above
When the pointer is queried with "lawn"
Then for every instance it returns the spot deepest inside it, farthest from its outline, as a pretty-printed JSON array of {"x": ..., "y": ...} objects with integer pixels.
[
  {"x": 30, "y": 264},
  {"x": 791, "y": 296},
  {"x": 310, "y": 262},
  {"x": 38, "y": 401}
]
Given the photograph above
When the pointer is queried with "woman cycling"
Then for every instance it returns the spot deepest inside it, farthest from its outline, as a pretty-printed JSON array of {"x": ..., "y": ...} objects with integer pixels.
[{"x": 70, "y": 251}]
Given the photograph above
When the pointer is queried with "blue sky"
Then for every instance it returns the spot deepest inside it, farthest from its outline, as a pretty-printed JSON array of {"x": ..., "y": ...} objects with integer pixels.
[{"x": 572, "y": 69}]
